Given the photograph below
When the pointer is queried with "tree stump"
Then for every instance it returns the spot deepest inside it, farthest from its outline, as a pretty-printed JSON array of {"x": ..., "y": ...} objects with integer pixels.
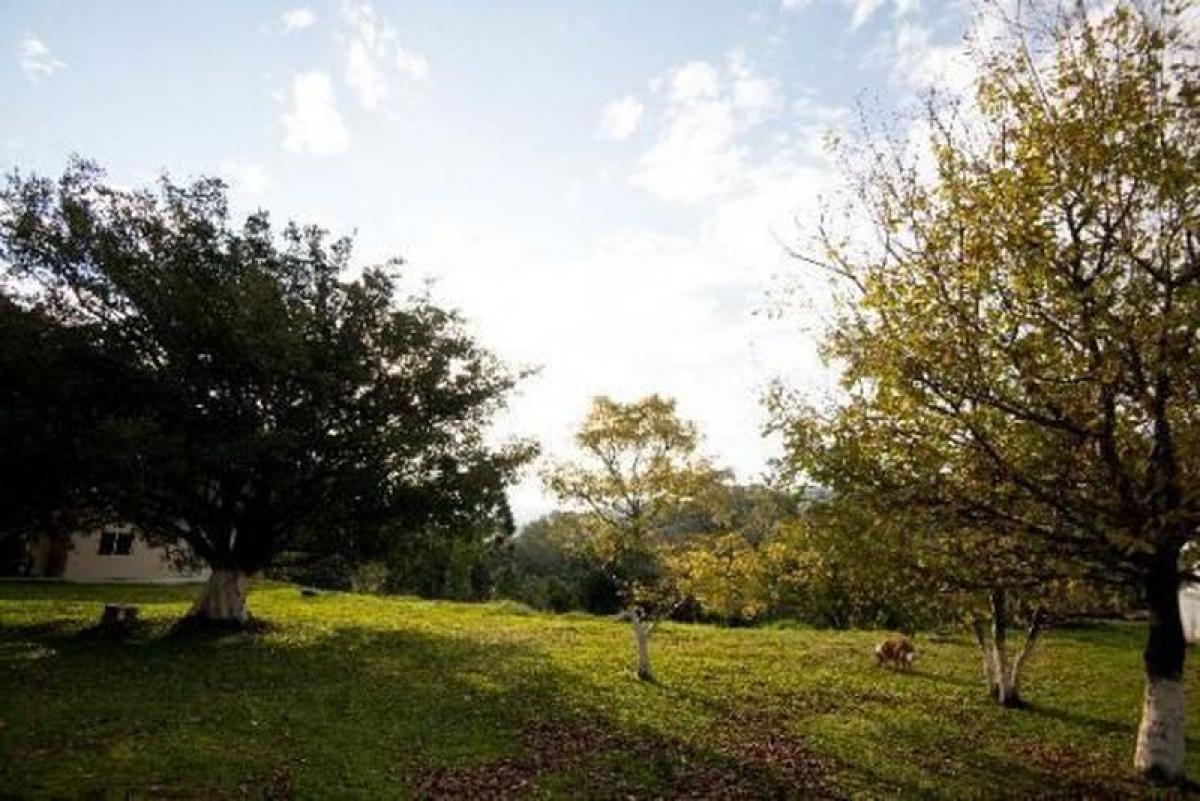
[{"x": 118, "y": 618}]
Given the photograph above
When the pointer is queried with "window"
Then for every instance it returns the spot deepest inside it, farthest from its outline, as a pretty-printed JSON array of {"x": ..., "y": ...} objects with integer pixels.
[{"x": 115, "y": 543}]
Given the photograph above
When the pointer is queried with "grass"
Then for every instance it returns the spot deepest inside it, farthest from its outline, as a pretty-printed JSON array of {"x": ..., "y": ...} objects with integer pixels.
[{"x": 350, "y": 696}]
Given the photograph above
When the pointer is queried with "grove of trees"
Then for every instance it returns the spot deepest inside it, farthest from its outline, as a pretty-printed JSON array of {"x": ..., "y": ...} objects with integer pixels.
[{"x": 1018, "y": 334}]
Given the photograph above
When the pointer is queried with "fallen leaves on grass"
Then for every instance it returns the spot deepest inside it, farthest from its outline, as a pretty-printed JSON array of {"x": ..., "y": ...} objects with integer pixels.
[{"x": 759, "y": 761}]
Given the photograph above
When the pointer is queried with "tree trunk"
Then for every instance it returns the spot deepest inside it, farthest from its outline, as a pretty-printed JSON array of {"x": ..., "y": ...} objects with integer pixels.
[
  {"x": 985, "y": 653},
  {"x": 1160, "y": 743},
  {"x": 641, "y": 636},
  {"x": 1031, "y": 636},
  {"x": 223, "y": 599},
  {"x": 1003, "y": 680},
  {"x": 1004, "y": 693}
]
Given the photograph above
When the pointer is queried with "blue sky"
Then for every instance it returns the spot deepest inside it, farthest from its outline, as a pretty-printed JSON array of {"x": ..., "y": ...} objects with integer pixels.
[{"x": 601, "y": 187}]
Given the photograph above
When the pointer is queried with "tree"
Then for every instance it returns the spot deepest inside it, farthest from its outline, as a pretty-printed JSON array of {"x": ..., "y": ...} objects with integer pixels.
[
  {"x": 49, "y": 409},
  {"x": 1019, "y": 334},
  {"x": 551, "y": 565},
  {"x": 884, "y": 524},
  {"x": 833, "y": 565},
  {"x": 723, "y": 557},
  {"x": 724, "y": 574},
  {"x": 458, "y": 560},
  {"x": 270, "y": 406},
  {"x": 639, "y": 473}
]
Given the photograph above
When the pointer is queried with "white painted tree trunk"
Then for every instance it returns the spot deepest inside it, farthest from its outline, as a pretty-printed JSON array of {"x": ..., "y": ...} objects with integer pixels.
[
  {"x": 641, "y": 635},
  {"x": 985, "y": 654},
  {"x": 1004, "y": 679},
  {"x": 642, "y": 629},
  {"x": 1004, "y": 696},
  {"x": 1160, "y": 741},
  {"x": 1161, "y": 747},
  {"x": 223, "y": 598}
]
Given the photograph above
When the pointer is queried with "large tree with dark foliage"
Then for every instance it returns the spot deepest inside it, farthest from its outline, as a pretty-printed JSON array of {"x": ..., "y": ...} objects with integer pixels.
[
  {"x": 1020, "y": 341},
  {"x": 265, "y": 405},
  {"x": 50, "y": 405}
]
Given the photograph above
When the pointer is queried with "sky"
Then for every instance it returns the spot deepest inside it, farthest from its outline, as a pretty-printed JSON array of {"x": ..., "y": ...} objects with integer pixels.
[{"x": 606, "y": 190}]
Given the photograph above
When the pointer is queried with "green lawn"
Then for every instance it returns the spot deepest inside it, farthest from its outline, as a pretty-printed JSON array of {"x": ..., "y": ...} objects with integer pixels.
[{"x": 362, "y": 697}]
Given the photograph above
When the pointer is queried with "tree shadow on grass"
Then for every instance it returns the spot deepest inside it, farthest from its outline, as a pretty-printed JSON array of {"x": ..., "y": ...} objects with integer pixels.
[
  {"x": 66, "y": 592},
  {"x": 1098, "y": 725},
  {"x": 941, "y": 678},
  {"x": 352, "y": 711},
  {"x": 978, "y": 774},
  {"x": 587, "y": 758}
]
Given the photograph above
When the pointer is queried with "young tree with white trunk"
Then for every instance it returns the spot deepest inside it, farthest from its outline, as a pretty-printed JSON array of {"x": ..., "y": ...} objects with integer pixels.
[
  {"x": 262, "y": 405},
  {"x": 639, "y": 472},
  {"x": 1023, "y": 324}
]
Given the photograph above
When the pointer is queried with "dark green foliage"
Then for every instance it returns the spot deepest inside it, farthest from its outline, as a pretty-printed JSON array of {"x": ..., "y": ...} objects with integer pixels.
[
  {"x": 53, "y": 409},
  {"x": 270, "y": 402},
  {"x": 550, "y": 566},
  {"x": 463, "y": 564}
]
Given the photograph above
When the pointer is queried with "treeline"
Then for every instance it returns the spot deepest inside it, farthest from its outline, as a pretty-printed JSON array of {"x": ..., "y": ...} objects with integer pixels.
[
  {"x": 648, "y": 523},
  {"x": 761, "y": 563}
]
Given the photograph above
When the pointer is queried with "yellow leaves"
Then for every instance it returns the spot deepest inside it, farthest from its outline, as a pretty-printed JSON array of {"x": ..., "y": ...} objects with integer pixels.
[
  {"x": 638, "y": 465},
  {"x": 724, "y": 574}
]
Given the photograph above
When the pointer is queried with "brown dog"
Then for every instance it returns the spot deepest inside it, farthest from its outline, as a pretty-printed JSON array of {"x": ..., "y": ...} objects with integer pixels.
[{"x": 897, "y": 651}]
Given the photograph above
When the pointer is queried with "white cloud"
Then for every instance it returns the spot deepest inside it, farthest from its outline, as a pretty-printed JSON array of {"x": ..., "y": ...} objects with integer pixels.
[
  {"x": 365, "y": 76},
  {"x": 620, "y": 118},
  {"x": 795, "y": 5},
  {"x": 696, "y": 157},
  {"x": 411, "y": 64},
  {"x": 698, "y": 154},
  {"x": 311, "y": 122},
  {"x": 639, "y": 311},
  {"x": 695, "y": 80},
  {"x": 36, "y": 59},
  {"x": 751, "y": 91},
  {"x": 245, "y": 178},
  {"x": 374, "y": 59},
  {"x": 920, "y": 64},
  {"x": 862, "y": 10},
  {"x": 297, "y": 19}
]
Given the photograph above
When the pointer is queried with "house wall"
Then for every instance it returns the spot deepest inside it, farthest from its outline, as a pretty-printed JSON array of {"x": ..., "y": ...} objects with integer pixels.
[
  {"x": 144, "y": 562},
  {"x": 1189, "y": 610}
]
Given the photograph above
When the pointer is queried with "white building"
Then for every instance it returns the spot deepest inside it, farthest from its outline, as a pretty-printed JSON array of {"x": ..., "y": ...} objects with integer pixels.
[
  {"x": 1189, "y": 610},
  {"x": 110, "y": 553}
]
